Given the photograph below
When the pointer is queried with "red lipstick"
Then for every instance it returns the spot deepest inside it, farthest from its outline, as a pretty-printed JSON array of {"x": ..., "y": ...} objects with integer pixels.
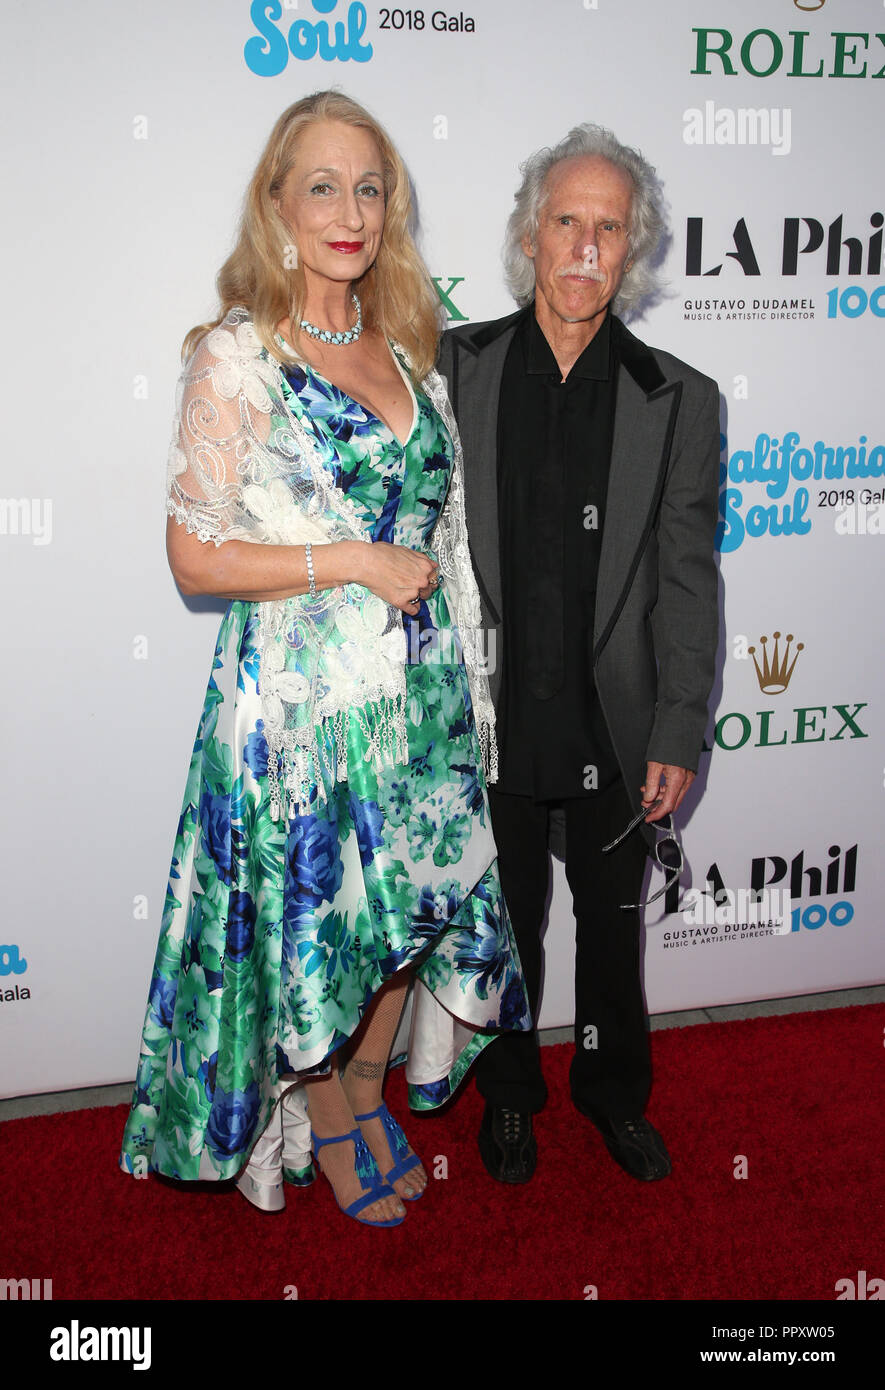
[{"x": 348, "y": 247}]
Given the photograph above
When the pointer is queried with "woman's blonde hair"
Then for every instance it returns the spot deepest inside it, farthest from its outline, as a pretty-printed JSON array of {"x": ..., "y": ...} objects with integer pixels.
[{"x": 396, "y": 292}]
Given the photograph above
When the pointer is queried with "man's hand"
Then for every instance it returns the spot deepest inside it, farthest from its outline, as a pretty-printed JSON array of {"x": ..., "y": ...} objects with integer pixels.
[{"x": 666, "y": 781}]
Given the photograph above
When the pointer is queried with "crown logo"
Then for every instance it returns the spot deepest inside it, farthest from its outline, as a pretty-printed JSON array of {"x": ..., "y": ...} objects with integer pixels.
[{"x": 777, "y": 668}]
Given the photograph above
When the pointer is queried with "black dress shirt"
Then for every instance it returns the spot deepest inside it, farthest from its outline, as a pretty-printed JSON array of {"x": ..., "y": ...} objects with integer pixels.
[{"x": 554, "y": 447}]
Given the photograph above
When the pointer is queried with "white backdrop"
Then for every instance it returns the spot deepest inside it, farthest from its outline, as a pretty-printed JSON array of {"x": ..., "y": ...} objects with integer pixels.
[{"x": 131, "y": 135}]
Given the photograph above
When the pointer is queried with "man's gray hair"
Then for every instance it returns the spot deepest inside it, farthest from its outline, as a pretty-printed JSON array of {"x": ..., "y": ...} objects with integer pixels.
[{"x": 646, "y": 225}]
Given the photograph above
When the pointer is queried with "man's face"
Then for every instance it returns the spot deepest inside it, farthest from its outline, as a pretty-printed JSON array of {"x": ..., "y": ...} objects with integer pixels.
[{"x": 582, "y": 246}]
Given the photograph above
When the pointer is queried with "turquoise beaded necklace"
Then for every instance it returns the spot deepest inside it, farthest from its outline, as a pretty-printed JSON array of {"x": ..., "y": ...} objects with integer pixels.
[{"x": 323, "y": 335}]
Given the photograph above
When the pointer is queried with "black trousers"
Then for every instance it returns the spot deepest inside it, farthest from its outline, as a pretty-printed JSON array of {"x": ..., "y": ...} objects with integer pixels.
[{"x": 610, "y": 1073}]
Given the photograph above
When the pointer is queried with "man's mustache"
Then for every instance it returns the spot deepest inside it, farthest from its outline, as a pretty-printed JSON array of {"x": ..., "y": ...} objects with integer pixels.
[{"x": 587, "y": 272}]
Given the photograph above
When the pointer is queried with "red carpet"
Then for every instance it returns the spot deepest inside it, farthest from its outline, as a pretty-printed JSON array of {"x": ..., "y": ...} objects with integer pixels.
[{"x": 799, "y": 1096}]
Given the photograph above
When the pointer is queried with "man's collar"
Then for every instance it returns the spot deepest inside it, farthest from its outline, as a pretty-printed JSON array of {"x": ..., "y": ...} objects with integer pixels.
[
  {"x": 629, "y": 350},
  {"x": 594, "y": 363}
]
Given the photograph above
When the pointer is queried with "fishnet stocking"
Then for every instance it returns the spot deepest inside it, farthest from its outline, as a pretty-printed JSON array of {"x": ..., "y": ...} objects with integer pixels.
[
  {"x": 354, "y": 1087},
  {"x": 364, "y": 1071}
]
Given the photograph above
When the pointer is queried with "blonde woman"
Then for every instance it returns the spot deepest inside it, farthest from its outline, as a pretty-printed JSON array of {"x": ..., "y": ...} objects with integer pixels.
[{"x": 335, "y": 844}]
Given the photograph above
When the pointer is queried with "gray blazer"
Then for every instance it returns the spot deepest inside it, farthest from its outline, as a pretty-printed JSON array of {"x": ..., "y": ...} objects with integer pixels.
[{"x": 656, "y": 620}]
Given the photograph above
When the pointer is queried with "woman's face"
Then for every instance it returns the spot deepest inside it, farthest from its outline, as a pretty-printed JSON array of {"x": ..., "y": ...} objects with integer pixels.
[{"x": 332, "y": 201}]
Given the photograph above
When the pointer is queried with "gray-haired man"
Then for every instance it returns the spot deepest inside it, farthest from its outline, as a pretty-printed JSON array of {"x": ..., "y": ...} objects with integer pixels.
[{"x": 592, "y": 478}]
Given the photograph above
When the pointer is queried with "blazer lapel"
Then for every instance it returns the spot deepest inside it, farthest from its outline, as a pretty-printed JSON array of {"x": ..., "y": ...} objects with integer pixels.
[
  {"x": 475, "y": 388},
  {"x": 646, "y": 406}
]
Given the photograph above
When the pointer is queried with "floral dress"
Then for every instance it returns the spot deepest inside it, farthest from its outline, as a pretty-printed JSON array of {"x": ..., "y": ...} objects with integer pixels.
[{"x": 276, "y": 935}]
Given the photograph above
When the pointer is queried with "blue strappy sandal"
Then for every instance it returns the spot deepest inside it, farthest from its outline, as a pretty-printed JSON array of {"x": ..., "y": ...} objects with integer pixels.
[
  {"x": 366, "y": 1170},
  {"x": 403, "y": 1161}
]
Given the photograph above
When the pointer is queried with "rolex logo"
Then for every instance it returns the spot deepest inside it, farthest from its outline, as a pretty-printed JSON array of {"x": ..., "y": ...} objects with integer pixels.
[{"x": 777, "y": 667}]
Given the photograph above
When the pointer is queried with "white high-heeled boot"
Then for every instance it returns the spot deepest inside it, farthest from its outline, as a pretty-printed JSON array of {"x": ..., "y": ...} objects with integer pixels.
[{"x": 280, "y": 1154}]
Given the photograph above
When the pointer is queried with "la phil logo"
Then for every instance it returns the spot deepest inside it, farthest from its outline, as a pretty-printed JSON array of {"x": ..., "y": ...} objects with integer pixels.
[
  {"x": 854, "y": 254},
  {"x": 779, "y": 880}
]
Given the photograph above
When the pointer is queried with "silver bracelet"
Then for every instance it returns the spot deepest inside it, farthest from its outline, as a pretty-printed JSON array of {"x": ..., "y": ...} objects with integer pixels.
[{"x": 311, "y": 578}]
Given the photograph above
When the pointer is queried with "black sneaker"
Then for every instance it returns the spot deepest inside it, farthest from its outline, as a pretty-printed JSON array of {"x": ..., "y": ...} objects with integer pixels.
[
  {"x": 507, "y": 1145},
  {"x": 636, "y": 1146}
]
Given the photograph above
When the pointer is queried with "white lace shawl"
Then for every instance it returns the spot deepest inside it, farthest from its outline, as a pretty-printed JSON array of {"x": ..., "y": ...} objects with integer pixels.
[{"x": 242, "y": 467}]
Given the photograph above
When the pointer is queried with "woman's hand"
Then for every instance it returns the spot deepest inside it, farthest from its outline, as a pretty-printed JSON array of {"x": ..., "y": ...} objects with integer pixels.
[
  {"x": 262, "y": 573},
  {"x": 398, "y": 575}
]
